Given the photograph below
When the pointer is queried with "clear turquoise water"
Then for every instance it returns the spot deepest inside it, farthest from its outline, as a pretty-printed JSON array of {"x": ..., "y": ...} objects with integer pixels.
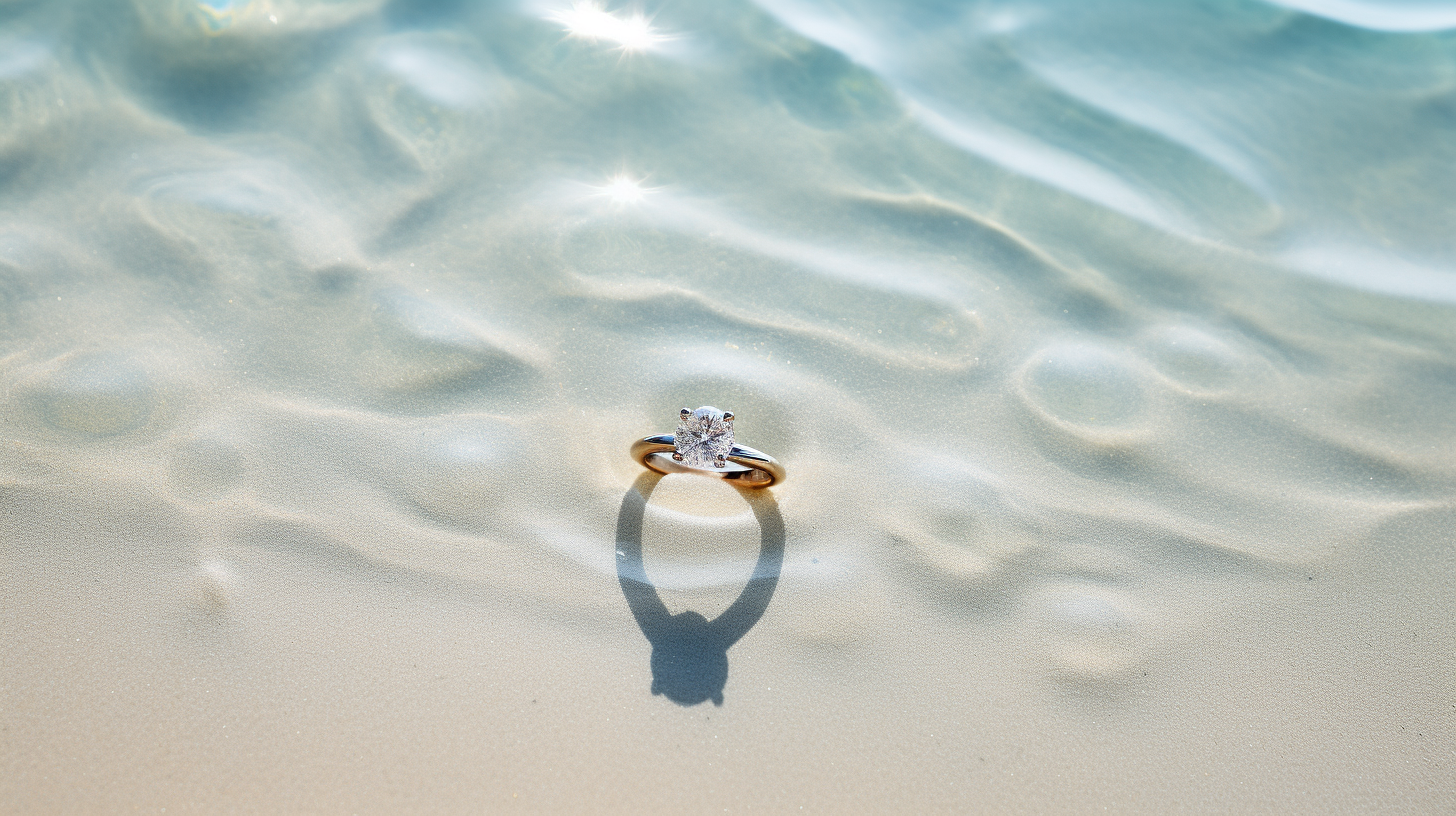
[{"x": 1110, "y": 348}]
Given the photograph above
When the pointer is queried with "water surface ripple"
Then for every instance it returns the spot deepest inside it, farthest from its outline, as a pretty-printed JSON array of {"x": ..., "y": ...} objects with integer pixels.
[{"x": 1093, "y": 337}]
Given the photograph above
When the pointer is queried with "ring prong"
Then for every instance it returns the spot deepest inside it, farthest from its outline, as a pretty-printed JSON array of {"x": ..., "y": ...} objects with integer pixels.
[
  {"x": 685, "y": 413},
  {"x": 676, "y": 457},
  {"x": 720, "y": 462},
  {"x": 727, "y": 416}
]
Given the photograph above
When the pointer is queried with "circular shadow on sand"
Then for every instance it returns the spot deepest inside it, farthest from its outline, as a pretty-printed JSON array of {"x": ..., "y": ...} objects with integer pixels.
[{"x": 690, "y": 652}]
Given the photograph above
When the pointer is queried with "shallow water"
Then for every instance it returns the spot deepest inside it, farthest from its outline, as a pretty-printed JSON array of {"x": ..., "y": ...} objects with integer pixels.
[{"x": 1110, "y": 349}]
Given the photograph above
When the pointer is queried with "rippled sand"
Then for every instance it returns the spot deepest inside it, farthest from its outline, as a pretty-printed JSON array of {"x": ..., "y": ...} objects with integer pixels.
[{"x": 1110, "y": 349}]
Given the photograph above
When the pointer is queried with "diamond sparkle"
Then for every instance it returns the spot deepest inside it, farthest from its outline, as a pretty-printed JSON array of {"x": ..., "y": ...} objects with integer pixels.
[{"x": 703, "y": 437}]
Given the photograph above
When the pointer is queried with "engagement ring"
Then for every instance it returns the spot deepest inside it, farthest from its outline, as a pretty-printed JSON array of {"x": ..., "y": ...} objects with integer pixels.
[{"x": 704, "y": 444}]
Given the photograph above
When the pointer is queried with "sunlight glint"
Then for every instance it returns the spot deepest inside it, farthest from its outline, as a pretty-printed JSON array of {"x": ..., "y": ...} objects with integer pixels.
[
  {"x": 623, "y": 190},
  {"x": 587, "y": 20}
]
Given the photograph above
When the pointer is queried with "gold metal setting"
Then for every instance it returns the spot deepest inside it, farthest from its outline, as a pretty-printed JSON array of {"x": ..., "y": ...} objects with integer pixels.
[{"x": 745, "y": 466}]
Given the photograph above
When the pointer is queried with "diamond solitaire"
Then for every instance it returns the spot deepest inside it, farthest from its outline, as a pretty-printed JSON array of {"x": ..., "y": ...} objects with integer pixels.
[
  {"x": 704, "y": 437},
  {"x": 704, "y": 444}
]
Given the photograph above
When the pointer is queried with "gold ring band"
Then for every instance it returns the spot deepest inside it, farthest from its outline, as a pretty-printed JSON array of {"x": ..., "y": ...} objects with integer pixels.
[{"x": 744, "y": 466}]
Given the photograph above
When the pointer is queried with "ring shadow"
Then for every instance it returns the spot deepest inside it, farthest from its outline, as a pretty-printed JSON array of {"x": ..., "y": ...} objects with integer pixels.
[{"x": 690, "y": 652}]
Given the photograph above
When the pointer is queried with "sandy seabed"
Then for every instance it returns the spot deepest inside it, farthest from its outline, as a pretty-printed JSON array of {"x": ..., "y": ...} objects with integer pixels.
[{"x": 1110, "y": 350}]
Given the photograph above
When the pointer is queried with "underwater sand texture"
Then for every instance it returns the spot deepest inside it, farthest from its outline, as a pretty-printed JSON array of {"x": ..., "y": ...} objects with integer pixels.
[{"x": 1110, "y": 349}]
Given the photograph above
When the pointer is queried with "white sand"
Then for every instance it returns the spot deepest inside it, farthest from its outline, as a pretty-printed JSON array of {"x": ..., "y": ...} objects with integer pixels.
[{"x": 1111, "y": 355}]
